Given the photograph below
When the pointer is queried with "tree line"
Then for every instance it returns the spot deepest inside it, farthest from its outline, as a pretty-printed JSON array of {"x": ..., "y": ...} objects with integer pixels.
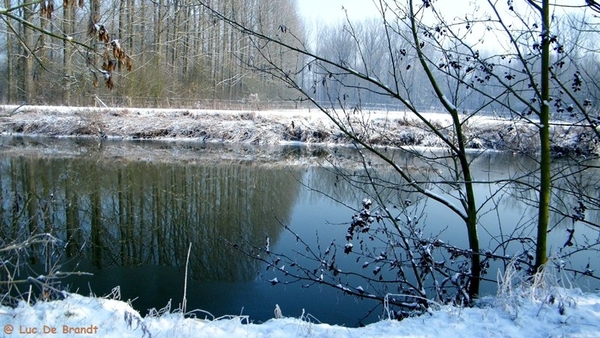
[
  {"x": 148, "y": 52},
  {"x": 68, "y": 53}
]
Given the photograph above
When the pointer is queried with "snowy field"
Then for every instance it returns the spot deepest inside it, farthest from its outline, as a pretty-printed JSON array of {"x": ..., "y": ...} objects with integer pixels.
[{"x": 555, "y": 312}]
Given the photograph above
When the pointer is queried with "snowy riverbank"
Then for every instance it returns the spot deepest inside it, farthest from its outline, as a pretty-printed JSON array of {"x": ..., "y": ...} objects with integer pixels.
[
  {"x": 555, "y": 312},
  {"x": 283, "y": 126}
]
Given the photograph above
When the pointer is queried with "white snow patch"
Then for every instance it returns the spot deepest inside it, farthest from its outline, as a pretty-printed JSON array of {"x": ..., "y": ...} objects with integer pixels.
[
  {"x": 448, "y": 103},
  {"x": 512, "y": 316}
]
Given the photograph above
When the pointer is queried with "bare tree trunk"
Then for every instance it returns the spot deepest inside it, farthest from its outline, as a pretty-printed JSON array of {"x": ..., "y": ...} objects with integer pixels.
[
  {"x": 464, "y": 174},
  {"x": 122, "y": 25},
  {"x": 10, "y": 96},
  {"x": 185, "y": 50},
  {"x": 141, "y": 33},
  {"x": 545, "y": 165},
  {"x": 159, "y": 16},
  {"x": 131, "y": 20},
  {"x": 43, "y": 45},
  {"x": 28, "y": 87},
  {"x": 68, "y": 29},
  {"x": 92, "y": 58}
]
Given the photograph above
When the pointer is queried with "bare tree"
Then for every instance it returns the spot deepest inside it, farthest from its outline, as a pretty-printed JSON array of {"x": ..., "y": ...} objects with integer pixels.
[{"x": 464, "y": 76}]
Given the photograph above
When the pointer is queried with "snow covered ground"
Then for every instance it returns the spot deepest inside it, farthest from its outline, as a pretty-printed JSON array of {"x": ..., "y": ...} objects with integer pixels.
[
  {"x": 395, "y": 129},
  {"x": 530, "y": 312}
]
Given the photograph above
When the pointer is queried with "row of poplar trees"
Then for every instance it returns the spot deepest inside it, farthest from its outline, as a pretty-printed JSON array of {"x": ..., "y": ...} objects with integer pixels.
[{"x": 74, "y": 52}]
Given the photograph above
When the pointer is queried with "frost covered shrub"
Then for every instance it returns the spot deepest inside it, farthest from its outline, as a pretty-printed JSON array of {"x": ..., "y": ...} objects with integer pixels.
[
  {"x": 418, "y": 270},
  {"x": 19, "y": 280},
  {"x": 384, "y": 255},
  {"x": 30, "y": 250}
]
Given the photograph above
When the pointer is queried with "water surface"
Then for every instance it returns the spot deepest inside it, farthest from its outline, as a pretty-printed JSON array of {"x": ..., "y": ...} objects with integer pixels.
[{"x": 128, "y": 212}]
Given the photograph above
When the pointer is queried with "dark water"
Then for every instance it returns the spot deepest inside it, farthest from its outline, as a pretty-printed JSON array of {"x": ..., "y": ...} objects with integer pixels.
[{"x": 129, "y": 211}]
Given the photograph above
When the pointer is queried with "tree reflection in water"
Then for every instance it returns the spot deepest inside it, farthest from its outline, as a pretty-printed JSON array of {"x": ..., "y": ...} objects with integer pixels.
[
  {"x": 132, "y": 213},
  {"x": 128, "y": 211}
]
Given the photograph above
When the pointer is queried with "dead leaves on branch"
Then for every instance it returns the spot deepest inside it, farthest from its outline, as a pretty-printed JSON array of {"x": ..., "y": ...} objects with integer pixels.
[
  {"x": 103, "y": 35},
  {"x": 113, "y": 55},
  {"x": 109, "y": 65}
]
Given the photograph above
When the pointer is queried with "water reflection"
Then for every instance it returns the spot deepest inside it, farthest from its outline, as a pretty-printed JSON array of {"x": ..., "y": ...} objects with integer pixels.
[
  {"x": 131, "y": 213},
  {"x": 129, "y": 210},
  {"x": 506, "y": 196}
]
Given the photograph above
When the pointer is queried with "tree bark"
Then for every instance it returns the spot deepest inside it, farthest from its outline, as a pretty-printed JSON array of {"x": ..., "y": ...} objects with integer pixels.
[
  {"x": 545, "y": 174},
  {"x": 10, "y": 96},
  {"x": 28, "y": 87},
  {"x": 68, "y": 29}
]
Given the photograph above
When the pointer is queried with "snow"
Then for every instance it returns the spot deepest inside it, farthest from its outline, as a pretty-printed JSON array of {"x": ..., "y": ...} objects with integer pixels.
[
  {"x": 448, "y": 103},
  {"x": 269, "y": 127},
  {"x": 557, "y": 312}
]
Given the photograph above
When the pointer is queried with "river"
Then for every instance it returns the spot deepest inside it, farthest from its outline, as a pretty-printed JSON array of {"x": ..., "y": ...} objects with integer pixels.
[{"x": 128, "y": 212}]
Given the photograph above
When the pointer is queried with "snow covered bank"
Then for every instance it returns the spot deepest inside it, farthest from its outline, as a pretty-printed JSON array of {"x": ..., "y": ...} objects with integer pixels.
[
  {"x": 552, "y": 313},
  {"x": 276, "y": 127}
]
